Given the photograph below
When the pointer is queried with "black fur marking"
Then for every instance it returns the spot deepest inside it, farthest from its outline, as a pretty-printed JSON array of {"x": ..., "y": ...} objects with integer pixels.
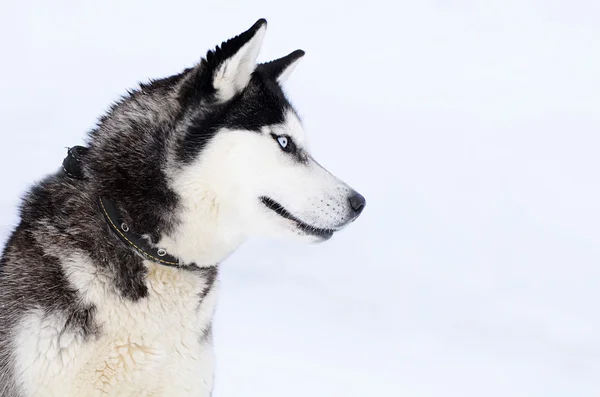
[
  {"x": 199, "y": 86},
  {"x": 275, "y": 68},
  {"x": 209, "y": 274},
  {"x": 262, "y": 103},
  {"x": 129, "y": 170},
  {"x": 63, "y": 213},
  {"x": 135, "y": 242},
  {"x": 32, "y": 279},
  {"x": 207, "y": 335}
]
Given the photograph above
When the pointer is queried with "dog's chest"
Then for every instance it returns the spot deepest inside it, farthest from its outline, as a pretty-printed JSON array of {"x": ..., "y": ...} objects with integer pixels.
[
  {"x": 160, "y": 344},
  {"x": 157, "y": 346}
]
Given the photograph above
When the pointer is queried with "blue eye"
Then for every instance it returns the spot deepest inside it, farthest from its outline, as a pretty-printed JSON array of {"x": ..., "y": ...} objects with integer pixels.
[{"x": 283, "y": 141}]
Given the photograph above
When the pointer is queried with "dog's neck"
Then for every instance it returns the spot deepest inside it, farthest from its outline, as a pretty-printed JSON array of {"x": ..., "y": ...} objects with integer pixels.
[{"x": 205, "y": 233}]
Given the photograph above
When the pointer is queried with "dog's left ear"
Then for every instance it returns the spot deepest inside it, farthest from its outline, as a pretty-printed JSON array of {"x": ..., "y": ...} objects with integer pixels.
[
  {"x": 281, "y": 68},
  {"x": 226, "y": 70},
  {"x": 233, "y": 64}
]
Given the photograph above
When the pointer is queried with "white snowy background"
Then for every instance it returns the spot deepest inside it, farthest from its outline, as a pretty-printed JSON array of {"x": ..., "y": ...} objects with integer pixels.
[{"x": 473, "y": 130}]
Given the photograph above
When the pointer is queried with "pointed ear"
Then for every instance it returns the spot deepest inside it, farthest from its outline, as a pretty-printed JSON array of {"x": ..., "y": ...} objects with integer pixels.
[
  {"x": 230, "y": 66},
  {"x": 281, "y": 68}
]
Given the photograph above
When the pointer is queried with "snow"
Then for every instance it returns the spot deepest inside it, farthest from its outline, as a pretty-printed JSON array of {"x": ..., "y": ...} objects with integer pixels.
[{"x": 470, "y": 127}]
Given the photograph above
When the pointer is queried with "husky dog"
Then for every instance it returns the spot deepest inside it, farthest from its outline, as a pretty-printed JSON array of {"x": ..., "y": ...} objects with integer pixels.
[{"x": 108, "y": 284}]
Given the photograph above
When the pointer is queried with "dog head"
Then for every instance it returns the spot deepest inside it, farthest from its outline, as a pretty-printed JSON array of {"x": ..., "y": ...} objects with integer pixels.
[{"x": 217, "y": 154}]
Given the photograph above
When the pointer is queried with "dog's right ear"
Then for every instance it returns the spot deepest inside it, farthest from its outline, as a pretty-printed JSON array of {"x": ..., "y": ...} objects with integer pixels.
[
  {"x": 280, "y": 69},
  {"x": 226, "y": 71}
]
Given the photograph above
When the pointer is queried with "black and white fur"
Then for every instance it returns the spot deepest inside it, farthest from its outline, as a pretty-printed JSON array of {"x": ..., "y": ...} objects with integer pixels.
[{"x": 196, "y": 163}]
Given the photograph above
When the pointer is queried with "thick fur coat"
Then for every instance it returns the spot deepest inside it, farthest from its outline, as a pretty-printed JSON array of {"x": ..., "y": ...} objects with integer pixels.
[{"x": 196, "y": 163}]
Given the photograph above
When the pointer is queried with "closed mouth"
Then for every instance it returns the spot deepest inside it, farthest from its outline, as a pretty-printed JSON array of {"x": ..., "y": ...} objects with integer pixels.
[{"x": 305, "y": 227}]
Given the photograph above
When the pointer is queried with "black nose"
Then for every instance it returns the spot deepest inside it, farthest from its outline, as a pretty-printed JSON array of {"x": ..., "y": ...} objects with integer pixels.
[{"x": 357, "y": 203}]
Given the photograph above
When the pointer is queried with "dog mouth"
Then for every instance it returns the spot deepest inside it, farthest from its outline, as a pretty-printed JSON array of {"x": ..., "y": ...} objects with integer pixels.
[{"x": 305, "y": 227}]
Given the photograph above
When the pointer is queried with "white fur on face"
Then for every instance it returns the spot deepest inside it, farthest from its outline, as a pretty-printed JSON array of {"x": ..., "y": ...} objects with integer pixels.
[
  {"x": 304, "y": 188},
  {"x": 221, "y": 191}
]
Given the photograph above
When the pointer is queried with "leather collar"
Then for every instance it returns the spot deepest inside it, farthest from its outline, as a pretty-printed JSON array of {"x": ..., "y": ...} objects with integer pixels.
[{"x": 73, "y": 169}]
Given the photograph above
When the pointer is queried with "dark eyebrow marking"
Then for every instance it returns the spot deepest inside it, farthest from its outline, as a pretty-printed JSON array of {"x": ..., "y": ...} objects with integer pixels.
[{"x": 301, "y": 156}]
